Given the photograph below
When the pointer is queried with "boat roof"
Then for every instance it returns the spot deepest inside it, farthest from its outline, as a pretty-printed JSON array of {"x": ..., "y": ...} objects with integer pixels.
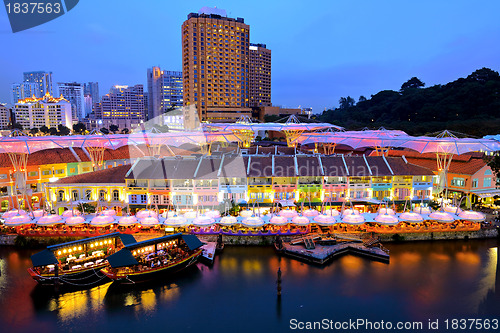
[
  {"x": 191, "y": 241},
  {"x": 124, "y": 257},
  {"x": 47, "y": 257},
  {"x": 125, "y": 238}
]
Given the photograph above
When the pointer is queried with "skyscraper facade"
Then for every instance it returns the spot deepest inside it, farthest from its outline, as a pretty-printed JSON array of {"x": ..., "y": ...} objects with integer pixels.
[
  {"x": 92, "y": 89},
  {"x": 42, "y": 79},
  {"x": 260, "y": 75},
  {"x": 164, "y": 91},
  {"x": 73, "y": 92},
  {"x": 23, "y": 90},
  {"x": 215, "y": 65},
  {"x": 123, "y": 106}
]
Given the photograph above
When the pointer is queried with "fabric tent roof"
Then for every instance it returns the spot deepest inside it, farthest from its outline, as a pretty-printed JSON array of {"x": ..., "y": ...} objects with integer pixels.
[
  {"x": 122, "y": 258},
  {"x": 44, "y": 258}
]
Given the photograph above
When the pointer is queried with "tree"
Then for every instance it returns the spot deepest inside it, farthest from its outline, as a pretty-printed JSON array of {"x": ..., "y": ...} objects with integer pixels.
[
  {"x": 484, "y": 75},
  {"x": 86, "y": 208},
  {"x": 346, "y": 102},
  {"x": 44, "y": 129},
  {"x": 125, "y": 131},
  {"x": 414, "y": 82},
  {"x": 17, "y": 126},
  {"x": 63, "y": 130},
  {"x": 494, "y": 164},
  {"x": 53, "y": 131},
  {"x": 113, "y": 128},
  {"x": 33, "y": 131},
  {"x": 104, "y": 130},
  {"x": 361, "y": 98},
  {"x": 79, "y": 128}
]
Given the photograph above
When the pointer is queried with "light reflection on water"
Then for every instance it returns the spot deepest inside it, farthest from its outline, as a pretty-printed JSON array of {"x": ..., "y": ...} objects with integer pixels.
[{"x": 424, "y": 280}]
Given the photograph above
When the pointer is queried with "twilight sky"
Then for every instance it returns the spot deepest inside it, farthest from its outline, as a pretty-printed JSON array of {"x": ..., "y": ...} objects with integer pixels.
[{"x": 321, "y": 50}]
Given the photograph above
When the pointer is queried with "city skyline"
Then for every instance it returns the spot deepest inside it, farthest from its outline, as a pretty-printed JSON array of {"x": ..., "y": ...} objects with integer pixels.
[{"x": 338, "y": 49}]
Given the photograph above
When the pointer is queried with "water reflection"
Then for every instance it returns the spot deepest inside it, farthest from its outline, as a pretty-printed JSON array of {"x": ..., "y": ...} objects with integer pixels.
[{"x": 423, "y": 280}]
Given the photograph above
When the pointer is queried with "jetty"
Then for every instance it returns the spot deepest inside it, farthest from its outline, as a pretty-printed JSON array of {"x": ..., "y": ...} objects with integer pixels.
[
  {"x": 318, "y": 249},
  {"x": 208, "y": 252}
]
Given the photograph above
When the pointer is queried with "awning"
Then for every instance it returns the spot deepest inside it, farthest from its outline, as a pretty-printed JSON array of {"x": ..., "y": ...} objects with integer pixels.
[
  {"x": 192, "y": 241},
  {"x": 127, "y": 239},
  {"x": 122, "y": 258},
  {"x": 287, "y": 203},
  {"x": 487, "y": 193},
  {"x": 44, "y": 258}
]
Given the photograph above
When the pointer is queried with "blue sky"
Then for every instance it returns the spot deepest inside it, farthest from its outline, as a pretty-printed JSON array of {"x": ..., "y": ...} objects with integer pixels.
[{"x": 321, "y": 50}]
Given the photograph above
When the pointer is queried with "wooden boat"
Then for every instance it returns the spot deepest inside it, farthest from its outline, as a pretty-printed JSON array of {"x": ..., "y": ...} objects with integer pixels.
[
  {"x": 154, "y": 258},
  {"x": 77, "y": 263}
]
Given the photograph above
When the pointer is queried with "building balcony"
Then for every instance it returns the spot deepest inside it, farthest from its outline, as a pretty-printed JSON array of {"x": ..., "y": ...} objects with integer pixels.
[
  {"x": 359, "y": 185},
  {"x": 233, "y": 188},
  {"x": 285, "y": 187},
  {"x": 422, "y": 185},
  {"x": 381, "y": 186}
]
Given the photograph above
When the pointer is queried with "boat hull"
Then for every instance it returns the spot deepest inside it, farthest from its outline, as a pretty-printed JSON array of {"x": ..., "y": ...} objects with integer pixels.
[
  {"x": 86, "y": 277},
  {"x": 154, "y": 273}
]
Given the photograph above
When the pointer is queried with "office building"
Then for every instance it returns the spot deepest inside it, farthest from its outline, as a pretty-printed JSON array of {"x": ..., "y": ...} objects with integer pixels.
[
  {"x": 92, "y": 89},
  {"x": 23, "y": 90},
  {"x": 73, "y": 92},
  {"x": 123, "y": 106},
  {"x": 5, "y": 117},
  {"x": 164, "y": 91},
  {"x": 43, "y": 111},
  {"x": 260, "y": 75},
  {"x": 42, "y": 79},
  {"x": 215, "y": 65}
]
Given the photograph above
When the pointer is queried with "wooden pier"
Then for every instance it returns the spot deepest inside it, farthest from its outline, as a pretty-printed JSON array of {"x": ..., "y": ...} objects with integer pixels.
[
  {"x": 315, "y": 250},
  {"x": 208, "y": 254}
]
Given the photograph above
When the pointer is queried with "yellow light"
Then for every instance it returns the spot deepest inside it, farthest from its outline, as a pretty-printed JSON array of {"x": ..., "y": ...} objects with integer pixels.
[
  {"x": 59, "y": 253},
  {"x": 74, "y": 249},
  {"x": 64, "y": 251},
  {"x": 100, "y": 243},
  {"x": 79, "y": 248},
  {"x": 69, "y": 250},
  {"x": 134, "y": 253},
  {"x": 91, "y": 245}
]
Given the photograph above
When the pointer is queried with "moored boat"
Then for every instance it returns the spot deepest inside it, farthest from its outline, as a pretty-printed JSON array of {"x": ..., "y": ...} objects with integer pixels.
[
  {"x": 77, "y": 263},
  {"x": 154, "y": 258}
]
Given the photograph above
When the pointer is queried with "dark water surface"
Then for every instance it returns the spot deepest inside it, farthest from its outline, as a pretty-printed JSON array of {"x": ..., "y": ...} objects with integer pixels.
[{"x": 426, "y": 280}]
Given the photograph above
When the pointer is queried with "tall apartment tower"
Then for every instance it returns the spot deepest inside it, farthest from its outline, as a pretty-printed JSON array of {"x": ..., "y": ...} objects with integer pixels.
[
  {"x": 123, "y": 106},
  {"x": 24, "y": 90},
  {"x": 215, "y": 65},
  {"x": 260, "y": 75},
  {"x": 164, "y": 91},
  {"x": 42, "y": 79},
  {"x": 92, "y": 89},
  {"x": 73, "y": 92}
]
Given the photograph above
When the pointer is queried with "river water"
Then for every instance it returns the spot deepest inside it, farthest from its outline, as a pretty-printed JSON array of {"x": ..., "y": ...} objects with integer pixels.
[{"x": 424, "y": 280}]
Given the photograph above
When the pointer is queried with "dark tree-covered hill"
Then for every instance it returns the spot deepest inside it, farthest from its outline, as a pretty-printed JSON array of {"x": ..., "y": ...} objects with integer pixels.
[{"x": 469, "y": 105}]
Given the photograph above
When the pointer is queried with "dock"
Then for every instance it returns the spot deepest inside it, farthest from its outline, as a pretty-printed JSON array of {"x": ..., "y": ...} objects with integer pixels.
[
  {"x": 320, "y": 253},
  {"x": 208, "y": 254}
]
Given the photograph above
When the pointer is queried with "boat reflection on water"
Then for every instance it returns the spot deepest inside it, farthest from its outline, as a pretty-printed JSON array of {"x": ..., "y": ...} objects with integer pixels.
[{"x": 113, "y": 299}]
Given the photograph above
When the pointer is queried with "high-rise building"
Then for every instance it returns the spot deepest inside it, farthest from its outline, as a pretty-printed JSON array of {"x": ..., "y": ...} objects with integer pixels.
[
  {"x": 5, "y": 117},
  {"x": 87, "y": 101},
  {"x": 123, "y": 106},
  {"x": 164, "y": 91},
  {"x": 215, "y": 65},
  {"x": 43, "y": 111},
  {"x": 260, "y": 75},
  {"x": 23, "y": 90},
  {"x": 42, "y": 79},
  {"x": 73, "y": 92},
  {"x": 92, "y": 89}
]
